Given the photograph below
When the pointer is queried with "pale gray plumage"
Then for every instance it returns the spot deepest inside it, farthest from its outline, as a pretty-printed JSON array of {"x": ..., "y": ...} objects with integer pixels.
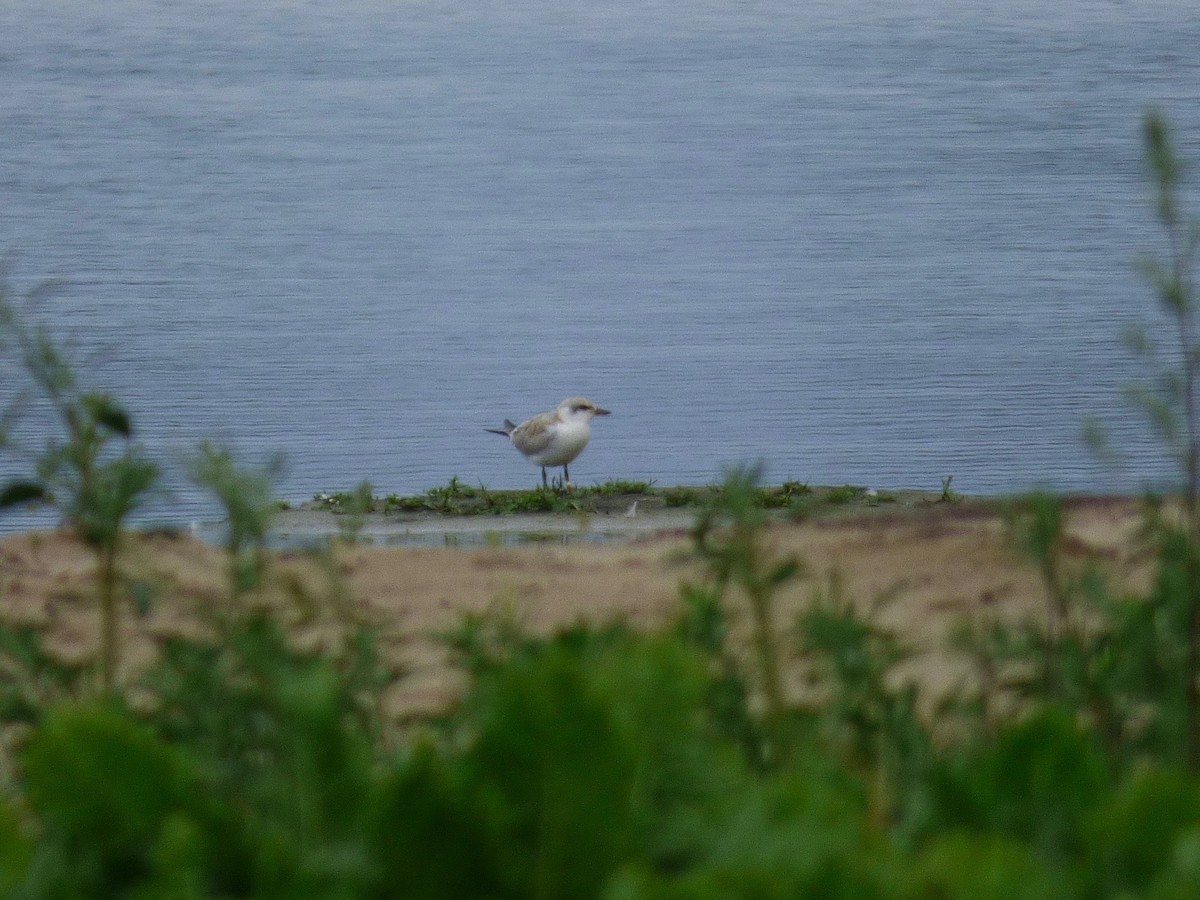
[{"x": 554, "y": 438}]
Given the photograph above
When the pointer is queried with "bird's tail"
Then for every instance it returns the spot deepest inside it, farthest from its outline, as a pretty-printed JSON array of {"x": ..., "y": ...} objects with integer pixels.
[{"x": 506, "y": 430}]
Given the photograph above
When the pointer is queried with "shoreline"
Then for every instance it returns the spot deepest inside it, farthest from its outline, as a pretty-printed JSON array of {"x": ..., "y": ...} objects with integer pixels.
[
  {"x": 601, "y": 515},
  {"x": 612, "y": 512},
  {"x": 457, "y": 515}
]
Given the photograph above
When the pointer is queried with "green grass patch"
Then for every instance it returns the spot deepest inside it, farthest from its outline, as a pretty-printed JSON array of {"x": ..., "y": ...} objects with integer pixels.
[
  {"x": 607, "y": 488},
  {"x": 677, "y": 497},
  {"x": 847, "y": 493},
  {"x": 457, "y": 498}
]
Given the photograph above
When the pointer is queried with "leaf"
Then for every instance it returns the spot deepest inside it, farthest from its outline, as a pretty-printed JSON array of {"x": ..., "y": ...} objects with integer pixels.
[
  {"x": 1164, "y": 164},
  {"x": 784, "y": 571},
  {"x": 98, "y": 779},
  {"x": 107, "y": 412},
  {"x": 17, "y": 492},
  {"x": 1137, "y": 341},
  {"x": 1096, "y": 437},
  {"x": 117, "y": 488},
  {"x": 142, "y": 595}
]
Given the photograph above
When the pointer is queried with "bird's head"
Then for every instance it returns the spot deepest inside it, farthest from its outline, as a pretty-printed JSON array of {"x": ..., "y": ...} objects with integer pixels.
[{"x": 579, "y": 408}]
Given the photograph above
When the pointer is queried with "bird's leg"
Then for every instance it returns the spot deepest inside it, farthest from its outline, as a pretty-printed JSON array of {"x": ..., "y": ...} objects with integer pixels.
[
  {"x": 545, "y": 484},
  {"x": 567, "y": 478}
]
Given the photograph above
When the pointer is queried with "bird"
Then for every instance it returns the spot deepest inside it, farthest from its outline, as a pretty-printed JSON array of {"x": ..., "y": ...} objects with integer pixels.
[{"x": 556, "y": 437}]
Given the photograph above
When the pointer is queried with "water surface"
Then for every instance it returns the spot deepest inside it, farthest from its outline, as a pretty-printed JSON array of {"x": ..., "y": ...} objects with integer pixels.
[{"x": 868, "y": 243}]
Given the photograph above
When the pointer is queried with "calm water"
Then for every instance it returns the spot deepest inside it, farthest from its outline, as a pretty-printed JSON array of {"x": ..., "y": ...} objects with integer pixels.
[{"x": 870, "y": 243}]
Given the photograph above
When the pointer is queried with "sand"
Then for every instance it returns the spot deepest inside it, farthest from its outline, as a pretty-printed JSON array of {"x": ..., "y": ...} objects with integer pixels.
[{"x": 937, "y": 564}]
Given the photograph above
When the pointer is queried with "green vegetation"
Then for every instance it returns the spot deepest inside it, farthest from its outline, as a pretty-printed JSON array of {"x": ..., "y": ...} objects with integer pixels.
[
  {"x": 458, "y": 499},
  {"x": 92, "y": 472},
  {"x": 948, "y": 496},
  {"x": 848, "y": 493},
  {"x": 732, "y": 755},
  {"x": 600, "y": 762},
  {"x": 245, "y": 496},
  {"x": 675, "y": 497},
  {"x": 355, "y": 509},
  {"x": 623, "y": 488},
  {"x": 1169, "y": 398}
]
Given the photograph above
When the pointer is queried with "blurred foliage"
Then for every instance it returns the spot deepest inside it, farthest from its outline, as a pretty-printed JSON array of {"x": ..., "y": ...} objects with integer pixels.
[
  {"x": 245, "y": 495},
  {"x": 90, "y": 470},
  {"x": 601, "y": 762}
]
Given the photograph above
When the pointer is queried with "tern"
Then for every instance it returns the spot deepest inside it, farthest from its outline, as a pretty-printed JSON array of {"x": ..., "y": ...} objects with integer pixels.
[{"x": 554, "y": 438}]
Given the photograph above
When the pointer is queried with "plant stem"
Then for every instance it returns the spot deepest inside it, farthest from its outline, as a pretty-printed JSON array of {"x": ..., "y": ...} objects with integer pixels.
[
  {"x": 1187, "y": 346},
  {"x": 109, "y": 632},
  {"x": 1191, "y": 498},
  {"x": 768, "y": 655},
  {"x": 1055, "y": 619}
]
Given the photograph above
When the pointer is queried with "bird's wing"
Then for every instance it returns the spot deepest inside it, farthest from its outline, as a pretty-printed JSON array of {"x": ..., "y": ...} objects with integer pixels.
[{"x": 534, "y": 435}]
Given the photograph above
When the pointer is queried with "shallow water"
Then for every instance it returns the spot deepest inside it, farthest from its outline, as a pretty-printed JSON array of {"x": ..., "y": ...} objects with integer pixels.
[{"x": 869, "y": 244}]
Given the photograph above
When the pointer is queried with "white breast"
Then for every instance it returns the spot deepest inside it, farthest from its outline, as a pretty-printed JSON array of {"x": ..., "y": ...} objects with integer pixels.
[{"x": 567, "y": 442}]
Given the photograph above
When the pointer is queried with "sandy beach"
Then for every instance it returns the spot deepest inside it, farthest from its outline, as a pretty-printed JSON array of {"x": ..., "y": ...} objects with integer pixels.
[{"x": 937, "y": 563}]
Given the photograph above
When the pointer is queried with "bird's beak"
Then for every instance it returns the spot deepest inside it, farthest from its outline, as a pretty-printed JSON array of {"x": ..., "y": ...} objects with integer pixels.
[{"x": 602, "y": 412}]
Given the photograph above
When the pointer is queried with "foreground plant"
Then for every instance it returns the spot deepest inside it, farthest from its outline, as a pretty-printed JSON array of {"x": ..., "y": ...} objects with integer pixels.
[
  {"x": 94, "y": 474},
  {"x": 359, "y": 504},
  {"x": 586, "y": 764},
  {"x": 246, "y": 495},
  {"x": 1169, "y": 396},
  {"x": 738, "y": 556}
]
